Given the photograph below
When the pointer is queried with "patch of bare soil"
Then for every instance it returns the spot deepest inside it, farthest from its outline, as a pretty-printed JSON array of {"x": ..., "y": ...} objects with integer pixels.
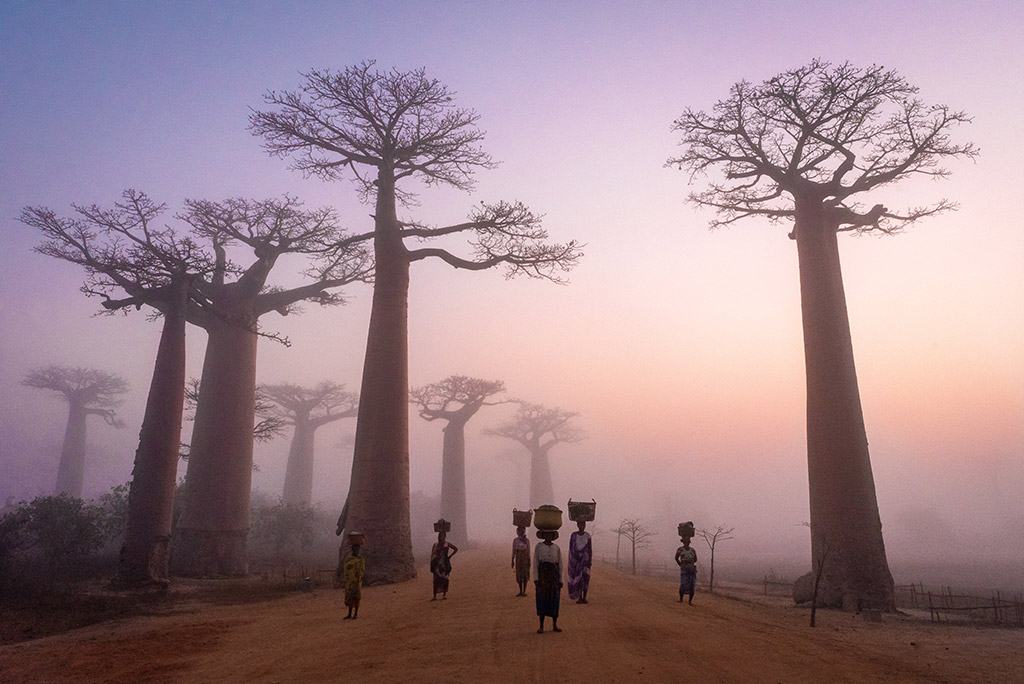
[{"x": 632, "y": 630}]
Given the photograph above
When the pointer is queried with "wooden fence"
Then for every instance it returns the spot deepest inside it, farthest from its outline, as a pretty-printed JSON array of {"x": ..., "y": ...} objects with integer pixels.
[{"x": 944, "y": 605}]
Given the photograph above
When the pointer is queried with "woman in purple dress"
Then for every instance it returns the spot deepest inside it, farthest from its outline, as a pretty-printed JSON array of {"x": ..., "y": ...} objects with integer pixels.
[{"x": 581, "y": 556}]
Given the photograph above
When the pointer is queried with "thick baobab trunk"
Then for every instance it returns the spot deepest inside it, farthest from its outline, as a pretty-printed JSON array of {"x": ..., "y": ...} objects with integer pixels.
[
  {"x": 378, "y": 500},
  {"x": 71, "y": 471},
  {"x": 298, "y": 476},
  {"x": 453, "y": 481},
  {"x": 146, "y": 548},
  {"x": 845, "y": 526},
  {"x": 541, "y": 490},
  {"x": 211, "y": 535}
]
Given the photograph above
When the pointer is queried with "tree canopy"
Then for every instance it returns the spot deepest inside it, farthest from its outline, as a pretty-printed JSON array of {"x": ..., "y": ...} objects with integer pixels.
[{"x": 821, "y": 132}]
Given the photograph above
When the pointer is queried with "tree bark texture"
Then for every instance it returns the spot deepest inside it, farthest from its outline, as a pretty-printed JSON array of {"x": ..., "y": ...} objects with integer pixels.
[
  {"x": 541, "y": 490},
  {"x": 211, "y": 535},
  {"x": 145, "y": 552},
  {"x": 843, "y": 503},
  {"x": 379, "y": 489},
  {"x": 71, "y": 471},
  {"x": 453, "y": 481},
  {"x": 298, "y": 476}
]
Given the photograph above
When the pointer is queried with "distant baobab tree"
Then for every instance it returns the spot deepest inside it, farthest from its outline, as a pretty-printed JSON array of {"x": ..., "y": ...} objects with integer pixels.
[
  {"x": 805, "y": 146},
  {"x": 307, "y": 410},
  {"x": 721, "y": 533},
  {"x": 455, "y": 400},
  {"x": 387, "y": 130},
  {"x": 88, "y": 392},
  {"x": 122, "y": 250},
  {"x": 539, "y": 428}
]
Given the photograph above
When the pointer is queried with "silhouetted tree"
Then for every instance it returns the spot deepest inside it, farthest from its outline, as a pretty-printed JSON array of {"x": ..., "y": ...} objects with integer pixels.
[
  {"x": 123, "y": 252},
  {"x": 539, "y": 428},
  {"x": 455, "y": 400},
  {"x": 712, "y": 537},
  {"x": 88, "y": 392},
  {"x": 307, "y": 410},
  {"x": 637, "y": 534},
  {"x": 386, "y": 130},
  {"x": 804, "y": 146},
  {"x": 213, "y": 526}
]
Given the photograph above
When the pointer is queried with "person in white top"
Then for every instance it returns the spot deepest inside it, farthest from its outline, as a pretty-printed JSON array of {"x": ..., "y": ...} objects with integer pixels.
[{"x": 547, "y": 578}]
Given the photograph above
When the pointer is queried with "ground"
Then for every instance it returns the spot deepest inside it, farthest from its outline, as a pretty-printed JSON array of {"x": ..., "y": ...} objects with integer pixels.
[{"x": 633, "y": 630}]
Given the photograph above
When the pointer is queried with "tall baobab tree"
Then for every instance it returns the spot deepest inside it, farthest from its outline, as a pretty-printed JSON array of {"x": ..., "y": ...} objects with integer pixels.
[
  {"x": 88, "y": 392},
  {"x": 805, "y": 146},
  {"x": 123, "y": 252},
  {"x": 539, "y": 428},
  {"x": 213, "y": 527},
  {"x": 386, "y": 131},
  {"x": 307, "y": 410},
  {"x": 455, "y": 400},
  {"x": 270, "y": 423}
]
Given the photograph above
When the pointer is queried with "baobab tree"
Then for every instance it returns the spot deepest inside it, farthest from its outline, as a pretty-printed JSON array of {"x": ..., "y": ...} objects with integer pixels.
[
  {"x": 539, "y": 428},
  {"x": 805, "y": 146},
  {"x": 721, "y": 533},
  {"x": 270, "y": 422},
  {"x": 307, "y": 410},
  {"x": 455, "y": 400},
  {"x": 386, "y": 131},
  {"x": 88, "y": 392},
  {"x": 124, "y": 253},
  {"x": 212, "y": 529}
]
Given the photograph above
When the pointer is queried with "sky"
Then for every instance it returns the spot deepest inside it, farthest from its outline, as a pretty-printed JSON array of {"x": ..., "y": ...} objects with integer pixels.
[{"x": 679, "y": 347}]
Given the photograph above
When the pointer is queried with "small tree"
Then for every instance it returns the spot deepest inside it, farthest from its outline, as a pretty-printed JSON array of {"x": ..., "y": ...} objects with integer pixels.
[
  {"x": 539, "y": 428},
  {"x": 637, "y": 534},
  {"x": 712, "y": 537},
  {"x": 88, "y": 392}
]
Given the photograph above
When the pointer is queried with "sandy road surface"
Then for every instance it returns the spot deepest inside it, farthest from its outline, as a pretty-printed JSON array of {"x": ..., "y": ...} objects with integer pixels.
[{"x": 633, "y": 630}]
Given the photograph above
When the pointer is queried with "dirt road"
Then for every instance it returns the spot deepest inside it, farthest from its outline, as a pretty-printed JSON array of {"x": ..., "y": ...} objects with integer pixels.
[{"x": 633, "y": 630}]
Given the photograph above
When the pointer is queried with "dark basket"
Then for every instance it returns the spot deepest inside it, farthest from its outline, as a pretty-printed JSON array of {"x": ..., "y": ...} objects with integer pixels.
[
  {"x": 443, "y": 525},
  {"x": 521, "y": 518},
  {"x": 582, "y": 510}
]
